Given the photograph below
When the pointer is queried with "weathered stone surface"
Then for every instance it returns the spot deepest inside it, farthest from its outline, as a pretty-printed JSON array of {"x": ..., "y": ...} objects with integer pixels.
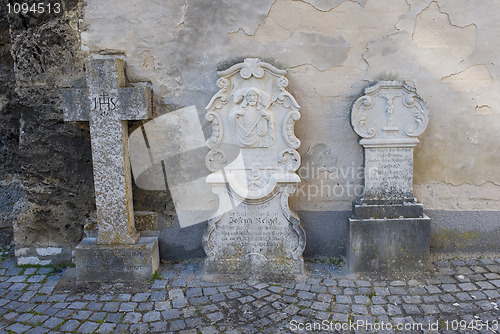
[
  {"x": 374, "y": 209},
  {"x": 388, "y": 231},
  {"x": 146, "y": 221},
  {"x": 43, "y": 255},
  {"x": 98, "y": 262},
  {"x": 43, "y": 153},
  {"x": 389, "y": 245},
  {"x": 322, "y": 52},
  {"x": 171, "y": 43},
  {"x": 389, "y": 117},
  {"x": 253, "y": 162},
  {"x": 389, "y": 173},
  {"x": 107, "y": 104},
  {"x": 11, "y": 188}
]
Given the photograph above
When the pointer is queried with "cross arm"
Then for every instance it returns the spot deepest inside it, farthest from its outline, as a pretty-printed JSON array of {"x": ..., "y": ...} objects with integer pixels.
[{"x": 136, "y": 102}]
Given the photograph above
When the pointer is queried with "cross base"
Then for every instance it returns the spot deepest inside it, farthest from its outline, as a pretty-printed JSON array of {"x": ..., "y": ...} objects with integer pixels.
[{"x": 97, "y": 262}]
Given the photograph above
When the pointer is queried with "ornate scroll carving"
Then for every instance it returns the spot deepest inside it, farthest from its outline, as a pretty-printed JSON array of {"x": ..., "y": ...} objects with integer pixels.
[
  {"x": 390, "y": 111},
  {"x": 253, "y": 160},
  {"x": 215, "y": 160},
  {"x": 290, "y": 160}
]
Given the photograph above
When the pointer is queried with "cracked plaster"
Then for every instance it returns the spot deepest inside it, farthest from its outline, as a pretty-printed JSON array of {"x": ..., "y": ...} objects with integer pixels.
[
  {"x": 327, "y": 5},
  {"x": 179, "y": 45}
]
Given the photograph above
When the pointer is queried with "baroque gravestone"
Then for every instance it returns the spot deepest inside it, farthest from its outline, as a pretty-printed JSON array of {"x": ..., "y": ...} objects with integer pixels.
[
  {"x": 253, "y": 160},
  {"x": 118, "y": 252},
  {"x": 389, "y": 230}
]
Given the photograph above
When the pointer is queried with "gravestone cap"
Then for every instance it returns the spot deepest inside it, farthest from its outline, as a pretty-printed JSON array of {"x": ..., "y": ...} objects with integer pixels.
[{"x": 390, "y": 114}]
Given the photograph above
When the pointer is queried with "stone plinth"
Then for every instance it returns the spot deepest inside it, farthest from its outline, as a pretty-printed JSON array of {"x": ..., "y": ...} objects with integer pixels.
[
  {"x": 388, "y": 245},
  {"x": 97, "y": 262},
  {"x": 253, "y": 159},
  {"x": 389, "y": 230}
]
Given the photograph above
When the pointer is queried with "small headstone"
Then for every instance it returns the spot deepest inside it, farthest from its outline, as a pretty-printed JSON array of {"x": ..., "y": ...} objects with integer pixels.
[
  {"x": 107, "y": 104},
  {"x": 389, "y": 230},
  {"x": 253, "y": 160}
]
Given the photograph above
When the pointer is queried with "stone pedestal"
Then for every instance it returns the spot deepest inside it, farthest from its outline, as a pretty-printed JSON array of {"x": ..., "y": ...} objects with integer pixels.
[
  {"x": 104, "y": 262},
  {"x": 253, "y": 159},
  {"x": 389, "y": 230},
  {"x": 388, "y": 245}
]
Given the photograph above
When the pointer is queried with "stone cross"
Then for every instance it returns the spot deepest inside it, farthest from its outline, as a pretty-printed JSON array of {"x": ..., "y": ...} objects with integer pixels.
[{"x": 107, "y": 105}]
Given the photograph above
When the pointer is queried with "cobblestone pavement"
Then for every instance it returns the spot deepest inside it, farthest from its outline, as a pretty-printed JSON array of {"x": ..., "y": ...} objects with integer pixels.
[{"x": 458, "y": 295}]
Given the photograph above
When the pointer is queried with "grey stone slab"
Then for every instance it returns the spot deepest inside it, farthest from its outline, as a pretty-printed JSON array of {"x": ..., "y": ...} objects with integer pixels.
[
  {"x": 37, "y": 330},
  {"x": 157, "y": 296},
  {"x": 159, "y": 326},
  {"x": 411, "y": 309},
  {"x": 145, "y": 306},
  {"x": 449, "y": 288},
  {"x": 88, "y": 327},
  {"x": 127, "y": 306},
  {"x": 141, "y": 297},
  {"x": 98, "y": 316},
  {"x": 343, "y": 299},
  {"x": 18, "y": 328},
  {"x": 180, "y": 302},
  {"x": 70, "y": 325},
  {"x": 106, "y": 328},
  {"x": 151, "y": 316},
  {"x": 377, "y": 310},
  {"x": 359, "y": 309},
  {"x": 77, "y": 305},
  {"x": 81, "y": 315},
  {"x": 389, "y": 211},
  {"x": 177, "y": 325},
  {"x": 194, "y": 292},
  {"x": 170, "y": 314},
  {"x": 114, "y": 317},
  {"x": 132, "y": 317},
  {"x": 164, "y": 305},
  {"x": 116, "y": 262},
  {"x": 110, "y": 306},
  {"x": 139, "y": 328},
  {"x": 376, "y": 242}
]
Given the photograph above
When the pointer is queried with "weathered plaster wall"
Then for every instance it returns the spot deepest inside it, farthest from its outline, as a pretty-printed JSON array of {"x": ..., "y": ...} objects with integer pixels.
[{"x": 332, "y": 50}]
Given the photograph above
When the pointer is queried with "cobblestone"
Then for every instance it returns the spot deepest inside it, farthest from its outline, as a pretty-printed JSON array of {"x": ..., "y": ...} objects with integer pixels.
[{"x": 181, "y": 302}]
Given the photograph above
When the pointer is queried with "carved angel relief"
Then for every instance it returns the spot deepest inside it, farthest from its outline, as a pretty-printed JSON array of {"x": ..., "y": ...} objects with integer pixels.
[
  {"x": 391, "y": 112},
  {"x": 253, "y": 114},
  {"x": 252, "y": 121}
]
